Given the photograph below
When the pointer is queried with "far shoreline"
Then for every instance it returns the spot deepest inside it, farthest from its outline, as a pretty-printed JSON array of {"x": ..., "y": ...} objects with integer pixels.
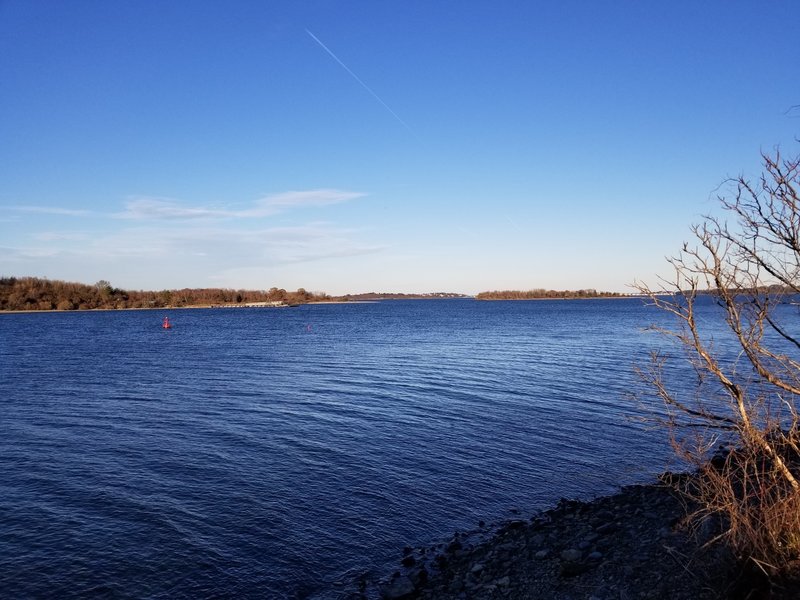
[
  {"x": 315, "y": 302},
  {"x": 560, "y": 298}
]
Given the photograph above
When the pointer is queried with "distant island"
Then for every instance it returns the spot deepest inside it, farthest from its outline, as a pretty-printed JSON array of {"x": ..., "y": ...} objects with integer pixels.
[
  {"x": 539, "y": 294},
  {"x": 34, "y": 293},
  {"x": 395, "y": 296}
]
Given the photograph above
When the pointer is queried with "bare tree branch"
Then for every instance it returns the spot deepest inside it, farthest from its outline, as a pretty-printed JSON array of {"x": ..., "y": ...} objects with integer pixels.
[{"x": 749, "y": 266}]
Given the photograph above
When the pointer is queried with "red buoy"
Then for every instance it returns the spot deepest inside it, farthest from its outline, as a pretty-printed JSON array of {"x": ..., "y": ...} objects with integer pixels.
[{"x": 166, "y": 324}]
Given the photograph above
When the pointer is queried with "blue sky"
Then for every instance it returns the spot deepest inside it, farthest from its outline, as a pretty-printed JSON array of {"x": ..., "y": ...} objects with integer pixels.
[{"x": 395, "y": 146}]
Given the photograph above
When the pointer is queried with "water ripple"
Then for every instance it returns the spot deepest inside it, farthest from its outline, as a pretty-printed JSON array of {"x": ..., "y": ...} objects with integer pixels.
[{"x": 243, "y": 455}]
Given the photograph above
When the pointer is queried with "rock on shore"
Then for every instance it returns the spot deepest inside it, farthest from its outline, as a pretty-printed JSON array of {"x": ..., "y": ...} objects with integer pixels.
[{"x": 627, "y": 546}]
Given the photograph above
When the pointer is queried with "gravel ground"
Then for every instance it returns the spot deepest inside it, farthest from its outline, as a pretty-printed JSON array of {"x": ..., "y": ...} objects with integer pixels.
[{"x": 627, "y": 546}]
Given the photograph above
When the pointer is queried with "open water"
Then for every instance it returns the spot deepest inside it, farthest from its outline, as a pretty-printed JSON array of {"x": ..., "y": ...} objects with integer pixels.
[{"x": 280, "y": 453}]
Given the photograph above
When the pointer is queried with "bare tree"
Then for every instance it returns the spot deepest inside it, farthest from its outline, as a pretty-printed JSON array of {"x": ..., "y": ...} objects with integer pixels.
[{"x": 749, "y": 264}]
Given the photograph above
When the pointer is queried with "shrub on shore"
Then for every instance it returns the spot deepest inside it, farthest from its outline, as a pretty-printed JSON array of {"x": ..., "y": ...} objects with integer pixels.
[
  {"x": 750, "y": 265},
  {"x": 34, "y": 293}
]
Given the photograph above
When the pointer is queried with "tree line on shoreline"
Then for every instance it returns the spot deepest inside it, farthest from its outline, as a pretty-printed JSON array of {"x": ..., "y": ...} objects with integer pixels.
[
  {"x": 39, "y": 293},
  {"x": 541, "y": 293},
  {"x": 33, "y": 293}
]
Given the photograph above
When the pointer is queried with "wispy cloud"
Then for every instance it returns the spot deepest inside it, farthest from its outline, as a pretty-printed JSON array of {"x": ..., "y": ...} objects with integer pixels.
[
  {"x": 51, "y": 210},
  {"x": 28, "y": 253},
  {"x": 215, "y": 246},
  {"x": 322, "y": 197},
  {"x": 274, "y": 245},
  {"x": 158, "y": 209},
  {"x": 53, "y": 236},
  {"x": 168, "y": 209},
  {"x": 165, "y": 242}
]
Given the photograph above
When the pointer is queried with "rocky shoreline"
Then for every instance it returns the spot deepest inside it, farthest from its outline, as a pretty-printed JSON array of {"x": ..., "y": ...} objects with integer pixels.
[{"x": 630, "y": 545}]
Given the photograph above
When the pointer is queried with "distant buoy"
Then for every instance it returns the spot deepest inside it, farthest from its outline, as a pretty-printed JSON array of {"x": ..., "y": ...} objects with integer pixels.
[{"x": 166, "y": 324}]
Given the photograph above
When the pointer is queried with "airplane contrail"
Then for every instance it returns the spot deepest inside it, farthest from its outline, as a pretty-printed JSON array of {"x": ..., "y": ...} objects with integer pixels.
[{"x": 358, "y": 79}]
